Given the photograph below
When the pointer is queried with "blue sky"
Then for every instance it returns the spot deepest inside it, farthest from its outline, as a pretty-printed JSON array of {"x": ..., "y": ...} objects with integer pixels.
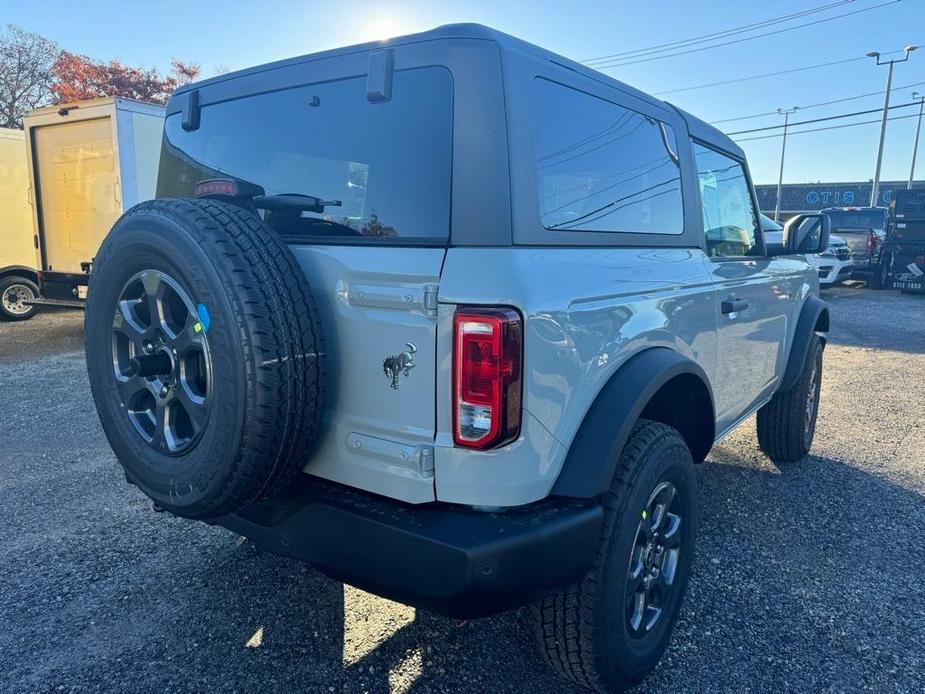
[{"x": 235, "y": 34}]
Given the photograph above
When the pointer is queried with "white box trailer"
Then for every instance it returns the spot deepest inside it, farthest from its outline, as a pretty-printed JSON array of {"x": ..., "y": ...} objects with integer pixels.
[
  {"x": 89, "y": 161},
  {"x": 18, "y": 278}
]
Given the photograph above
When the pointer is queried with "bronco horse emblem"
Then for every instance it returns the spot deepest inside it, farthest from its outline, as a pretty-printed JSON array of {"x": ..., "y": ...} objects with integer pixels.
[{"x": 396, "y": 364}]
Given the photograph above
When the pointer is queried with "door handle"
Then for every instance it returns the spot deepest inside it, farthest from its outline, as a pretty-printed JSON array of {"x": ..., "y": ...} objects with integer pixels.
[{"x": 733, "y": 305}]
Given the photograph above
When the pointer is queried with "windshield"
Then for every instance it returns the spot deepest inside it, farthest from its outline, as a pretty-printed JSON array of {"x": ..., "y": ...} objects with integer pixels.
[{"x": 383, "y": 168}]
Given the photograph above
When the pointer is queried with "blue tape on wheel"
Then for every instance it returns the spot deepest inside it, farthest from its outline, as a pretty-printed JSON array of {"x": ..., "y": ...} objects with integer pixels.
[{"x": 204, "y": 318}]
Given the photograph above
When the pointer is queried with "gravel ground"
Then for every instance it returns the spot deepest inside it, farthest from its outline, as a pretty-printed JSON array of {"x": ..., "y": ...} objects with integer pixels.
[{"x": 806, "y": 579}]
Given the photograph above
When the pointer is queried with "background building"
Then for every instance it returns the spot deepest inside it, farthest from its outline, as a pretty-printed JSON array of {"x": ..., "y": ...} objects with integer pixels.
[{"x": 808, "y": 197}]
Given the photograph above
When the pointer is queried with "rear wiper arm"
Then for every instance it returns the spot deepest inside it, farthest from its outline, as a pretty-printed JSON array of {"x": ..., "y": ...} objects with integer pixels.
[{"x": 294, "y": 201}]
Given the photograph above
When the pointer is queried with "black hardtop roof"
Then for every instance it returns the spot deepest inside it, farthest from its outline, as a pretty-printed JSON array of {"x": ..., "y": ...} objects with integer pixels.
[{"x": 698, "y": 128}]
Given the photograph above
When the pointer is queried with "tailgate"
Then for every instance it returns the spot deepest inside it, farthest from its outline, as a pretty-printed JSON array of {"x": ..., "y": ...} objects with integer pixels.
[
  {"x": 857, "y": 242},
  {"x": 378, "y": 308}
]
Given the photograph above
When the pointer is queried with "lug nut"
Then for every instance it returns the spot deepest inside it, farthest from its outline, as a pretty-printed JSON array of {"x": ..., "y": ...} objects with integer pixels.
[{"x": 164, "y": 391}]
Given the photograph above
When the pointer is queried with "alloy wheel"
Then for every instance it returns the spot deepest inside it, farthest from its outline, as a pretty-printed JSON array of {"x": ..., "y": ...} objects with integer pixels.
[
  {"x": 161, "y": 362},
  {"x": 654, "y": 559}
]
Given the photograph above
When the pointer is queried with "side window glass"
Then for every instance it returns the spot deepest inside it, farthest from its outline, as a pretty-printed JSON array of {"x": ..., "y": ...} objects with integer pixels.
[
  {"x": 729, "y": 219},
  {"x": 603, "y": 167}
]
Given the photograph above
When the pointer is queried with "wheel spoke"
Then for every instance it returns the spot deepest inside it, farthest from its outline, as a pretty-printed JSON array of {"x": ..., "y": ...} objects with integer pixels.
[
  {"x": 162, "y": 438},
  {"x": 125, "y": 323},
  {"x": 188, "y": 338},
  {"x": 658, "y": 516},
  {"x": 154, "y": 297},
  {"x": 652, "y": 615},
  {"x": 130, "y": 386},
  {"x": 638, "y": 610},
  {"x": 669, "y": 568},
  {"x": 637, "y": 570},
  {"x": 671, "y": 537},
  {"x": 194, "y": 407}
]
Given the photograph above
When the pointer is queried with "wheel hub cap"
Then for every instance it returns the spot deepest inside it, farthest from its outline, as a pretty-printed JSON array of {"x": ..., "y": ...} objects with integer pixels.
[
  {"x": 161, "y": 362},
  {"x": 15, "y": 297}
]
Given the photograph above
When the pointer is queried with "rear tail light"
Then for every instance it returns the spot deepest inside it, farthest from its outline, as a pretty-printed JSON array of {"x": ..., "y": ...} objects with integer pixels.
[
  {"x": 216, "y": 186},
  {"x": 871, "y": 241},
  {"x": 487, "y": 376}
]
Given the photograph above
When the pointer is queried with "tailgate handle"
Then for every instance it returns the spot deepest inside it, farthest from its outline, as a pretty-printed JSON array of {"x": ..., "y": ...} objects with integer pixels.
[
  {"x": 734, "y": 305},
  {"x": 420, "y": 299}
]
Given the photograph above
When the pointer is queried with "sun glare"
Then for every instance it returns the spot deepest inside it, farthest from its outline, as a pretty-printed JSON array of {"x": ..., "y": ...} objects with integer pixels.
[{"x": 383, "y": 24}]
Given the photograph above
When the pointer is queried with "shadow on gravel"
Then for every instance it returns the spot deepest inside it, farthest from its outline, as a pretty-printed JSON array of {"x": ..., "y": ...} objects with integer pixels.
[{"x": 806, "y": 578}]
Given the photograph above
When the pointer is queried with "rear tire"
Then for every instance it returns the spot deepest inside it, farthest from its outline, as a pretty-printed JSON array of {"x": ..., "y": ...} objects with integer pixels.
[
  {"x": 787, "y": 424},
  {"x": 595, "y": 633},
  {"x": 204, "y": 354},
  {"x": 14, "y": 290}
]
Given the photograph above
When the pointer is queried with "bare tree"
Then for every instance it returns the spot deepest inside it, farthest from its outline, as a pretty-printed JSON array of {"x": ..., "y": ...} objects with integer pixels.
[{"x": 25, "y": 73}]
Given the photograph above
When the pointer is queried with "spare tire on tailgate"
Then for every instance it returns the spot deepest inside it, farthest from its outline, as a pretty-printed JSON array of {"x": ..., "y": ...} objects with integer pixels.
[{"x": 204, "y": 353}]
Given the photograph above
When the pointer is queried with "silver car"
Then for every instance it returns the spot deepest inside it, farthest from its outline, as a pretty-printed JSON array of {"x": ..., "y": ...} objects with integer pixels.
[{"x": 452, "y": 318}]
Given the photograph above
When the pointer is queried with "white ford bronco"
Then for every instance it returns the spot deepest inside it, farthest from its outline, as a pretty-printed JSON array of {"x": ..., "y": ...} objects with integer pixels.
[{"x": 452, "y": 318}]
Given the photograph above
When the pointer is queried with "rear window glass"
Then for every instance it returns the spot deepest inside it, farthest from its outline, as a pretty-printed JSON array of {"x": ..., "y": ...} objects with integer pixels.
[
  {"x": 602, "y": 167},
  {"x": 857, "y": 219},
  {"x": 387, "y": 164}
]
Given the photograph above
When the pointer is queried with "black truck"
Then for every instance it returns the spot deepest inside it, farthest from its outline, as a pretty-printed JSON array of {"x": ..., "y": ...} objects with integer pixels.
[{"x": 903, "y": 254}]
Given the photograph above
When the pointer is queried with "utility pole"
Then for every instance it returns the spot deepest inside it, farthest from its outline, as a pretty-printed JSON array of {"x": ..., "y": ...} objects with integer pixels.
[
  {"x": 875, "y": 188},
  {"x": 783, "y": 148},
  {"x": 918, "y": 128}
]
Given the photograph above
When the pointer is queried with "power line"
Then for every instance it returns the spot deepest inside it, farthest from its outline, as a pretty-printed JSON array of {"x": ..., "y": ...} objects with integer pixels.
[
  {"x": 824, "y": 118},
  {"x": 770, "y": 74},
  {"x": 821, "y": 103},
  {"x": 828, "y": 127},
  {"x": 718, "y": 34},
  {"x": 676, "y": 54}
]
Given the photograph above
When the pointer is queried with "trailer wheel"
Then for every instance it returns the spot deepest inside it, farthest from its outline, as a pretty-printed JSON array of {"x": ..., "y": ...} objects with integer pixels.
[
  {"x": 15, "y": 291},
  {"x": 204, "y": 354}
]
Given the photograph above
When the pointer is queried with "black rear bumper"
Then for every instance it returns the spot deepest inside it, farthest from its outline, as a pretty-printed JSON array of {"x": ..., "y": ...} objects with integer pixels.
[{"x": 445, "y": 558}]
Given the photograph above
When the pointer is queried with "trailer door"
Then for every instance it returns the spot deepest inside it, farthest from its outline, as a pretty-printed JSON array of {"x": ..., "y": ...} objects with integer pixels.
[{"x": 78, "y": 190}]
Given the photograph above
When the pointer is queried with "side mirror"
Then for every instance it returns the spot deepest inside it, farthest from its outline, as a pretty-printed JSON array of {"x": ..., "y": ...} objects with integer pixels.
[{"x": 807, "y": 233}]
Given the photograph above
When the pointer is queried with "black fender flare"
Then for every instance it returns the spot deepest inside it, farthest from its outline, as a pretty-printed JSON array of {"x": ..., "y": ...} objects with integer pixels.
[
  {"x": 30, "y": 273},
  {"x": 592, "y": 458},
  {"x": 815, "y": 312}
]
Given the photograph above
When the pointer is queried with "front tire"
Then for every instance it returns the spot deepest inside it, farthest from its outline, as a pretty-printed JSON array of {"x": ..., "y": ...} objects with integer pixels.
[
  {"x": 609, "y": 630},
  {"x": 787, "y": 424},
  {"x": 14, "y": 292}
]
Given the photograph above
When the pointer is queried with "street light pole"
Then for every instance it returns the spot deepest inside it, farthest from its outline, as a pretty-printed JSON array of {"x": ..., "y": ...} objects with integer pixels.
[
  {"x": 783, "y": 148},
  {"x": 875, "y": 188},
  {"x": 918, "y": 128}
]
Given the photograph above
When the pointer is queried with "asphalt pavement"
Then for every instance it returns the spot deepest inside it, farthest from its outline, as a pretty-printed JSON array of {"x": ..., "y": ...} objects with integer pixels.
[{"x": 807, "y": 578}]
